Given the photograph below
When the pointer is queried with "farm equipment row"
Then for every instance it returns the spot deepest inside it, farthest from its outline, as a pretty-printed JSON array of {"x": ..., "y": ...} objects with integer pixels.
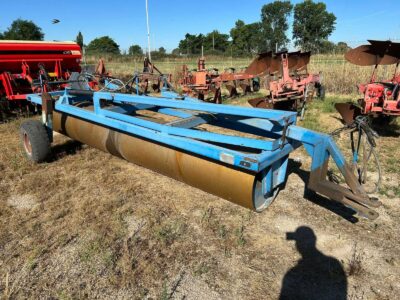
[{"x": 24, "y": 64}]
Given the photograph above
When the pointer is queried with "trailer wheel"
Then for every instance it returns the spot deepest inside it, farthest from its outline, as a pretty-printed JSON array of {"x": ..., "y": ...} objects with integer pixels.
[{"x": 35, "y": 140}]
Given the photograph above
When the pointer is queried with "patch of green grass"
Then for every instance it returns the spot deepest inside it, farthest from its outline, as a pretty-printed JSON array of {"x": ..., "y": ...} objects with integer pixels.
[
  {"x": 392, "y": 164},
  {"x": 96, "y": 254},
  {"x": 239, "y": 232},
  {"x": 32, "y": 262},
  {"x": 63, "y": 295},
  {"x": 169, "y": 232},
  {"x": 311, "y": 120},
  {"x": 164, "y": 293},
  {"x": 390, "y": 191},
  {"x": 222, "y": 232},
  {"x": 328, "y": 104},
  {"x": 201, "y": 269},
  {"x": 33, "y": 259},
  {"x": 207, "y": 215}
]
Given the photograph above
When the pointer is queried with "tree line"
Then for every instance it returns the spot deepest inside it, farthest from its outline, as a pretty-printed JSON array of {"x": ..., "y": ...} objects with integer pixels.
[{"x": 311, "y": 27}]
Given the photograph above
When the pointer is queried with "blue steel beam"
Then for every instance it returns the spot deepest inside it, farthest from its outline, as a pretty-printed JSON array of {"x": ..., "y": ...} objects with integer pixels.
[
  {"x": 214, "y": 152},
  {"x": 275, "y": 116},
  {"x": 190, "y": 133}
]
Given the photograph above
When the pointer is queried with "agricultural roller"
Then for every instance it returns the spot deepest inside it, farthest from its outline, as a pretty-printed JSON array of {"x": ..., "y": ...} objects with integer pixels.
[{"x": 237, "y": 153}]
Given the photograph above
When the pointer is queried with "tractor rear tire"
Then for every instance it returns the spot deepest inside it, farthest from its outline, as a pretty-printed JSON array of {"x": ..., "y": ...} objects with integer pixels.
[
  {"x": 35, "y": 140},
  {"x": 321, "y": 92}
]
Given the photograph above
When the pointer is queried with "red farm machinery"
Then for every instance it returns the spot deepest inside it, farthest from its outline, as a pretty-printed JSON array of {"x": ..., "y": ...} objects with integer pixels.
[
  {"x": 151, "y": 76},
  {"x": 24, "y": 64},
  {"x": 287, "y": 79},
  {"x": 381, "y": 98},
  {"x": 202, "y": 81}
]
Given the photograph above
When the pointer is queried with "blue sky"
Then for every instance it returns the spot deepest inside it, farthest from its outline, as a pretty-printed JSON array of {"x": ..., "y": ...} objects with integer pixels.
[{"x": 357, "y": 20}]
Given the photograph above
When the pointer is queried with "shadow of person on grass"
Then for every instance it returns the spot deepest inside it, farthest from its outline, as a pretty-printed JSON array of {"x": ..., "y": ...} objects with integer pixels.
[{"x": 316, "y": 276}]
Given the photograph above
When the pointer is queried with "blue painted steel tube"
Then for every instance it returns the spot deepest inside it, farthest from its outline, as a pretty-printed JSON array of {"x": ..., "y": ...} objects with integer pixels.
[{"x": 245, "y": 170}]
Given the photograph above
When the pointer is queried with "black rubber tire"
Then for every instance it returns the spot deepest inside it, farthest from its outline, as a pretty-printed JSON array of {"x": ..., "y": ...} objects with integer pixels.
[
  {"x": 35, "y": 140},
  {"x": 256, "y": 86},
  {"x": 3, "y": 108},
  {"x": 321, "y": 92}
]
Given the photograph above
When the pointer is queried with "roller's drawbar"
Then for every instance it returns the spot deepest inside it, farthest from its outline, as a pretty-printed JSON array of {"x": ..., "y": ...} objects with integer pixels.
[{"x": 247, "y": 167}]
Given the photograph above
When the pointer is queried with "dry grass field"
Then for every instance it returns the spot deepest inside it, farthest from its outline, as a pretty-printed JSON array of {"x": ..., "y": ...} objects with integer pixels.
[{"x": 90, "y": 225}]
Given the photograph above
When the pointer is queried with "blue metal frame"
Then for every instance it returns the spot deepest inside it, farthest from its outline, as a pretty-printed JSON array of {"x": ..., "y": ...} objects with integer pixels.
[{"x": 267, "y": 155}]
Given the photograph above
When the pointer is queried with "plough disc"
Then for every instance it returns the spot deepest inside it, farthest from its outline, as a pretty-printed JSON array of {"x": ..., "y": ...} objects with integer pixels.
[
  {"x": 260, "y": 65},
  {"x": 260, "y": 103},
  {"x": 378, "y": 53},
  {"x": 348, "y": 112}
]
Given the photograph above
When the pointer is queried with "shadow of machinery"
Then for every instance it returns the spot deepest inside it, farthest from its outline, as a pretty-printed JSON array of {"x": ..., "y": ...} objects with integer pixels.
[
  {"x": 335, "y": 207},
  {"x": 387, "y": 126},
  {"x": 69, "y": 147}
]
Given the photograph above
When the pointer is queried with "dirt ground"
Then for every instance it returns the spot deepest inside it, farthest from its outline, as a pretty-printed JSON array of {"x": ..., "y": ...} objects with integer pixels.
[{"x": 89, "y": 225}]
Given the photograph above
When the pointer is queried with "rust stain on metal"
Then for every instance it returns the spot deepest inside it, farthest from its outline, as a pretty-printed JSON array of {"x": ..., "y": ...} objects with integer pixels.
[
  {"x": 348, "y": 112},
  {"x": 260, "y": 65},
  {"x": 377, "y": 53},
  {"x": 217, "y": 179}
]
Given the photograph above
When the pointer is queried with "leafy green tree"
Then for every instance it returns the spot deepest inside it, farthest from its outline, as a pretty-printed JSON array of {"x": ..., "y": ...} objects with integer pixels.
[
  {"x": 158, "y": 54},
  {"x": 327, "y": 47},
  {"x": 342, "y": 47},
  {"x": 135, "y": 50},
  {"x": 23, "y": 30},
  {"x": 191, "y": 44},
  {"x": 246, "y": 38},
  {"x": 103, "y": 44},
  {"x": 79, "y": 39},
  {"x": 176, "y": 51},
  {"x": 312, "y": 25},
  {"x": 215, "y": 42},
  {"x": 274, "y": 24}
]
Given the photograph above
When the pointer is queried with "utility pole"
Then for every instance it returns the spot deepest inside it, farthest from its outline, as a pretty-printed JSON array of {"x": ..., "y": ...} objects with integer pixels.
[
  {"x": 213, "y": 42},
  {"x": 148, "y": 30},
  {"x": 231, "y": 56}
]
